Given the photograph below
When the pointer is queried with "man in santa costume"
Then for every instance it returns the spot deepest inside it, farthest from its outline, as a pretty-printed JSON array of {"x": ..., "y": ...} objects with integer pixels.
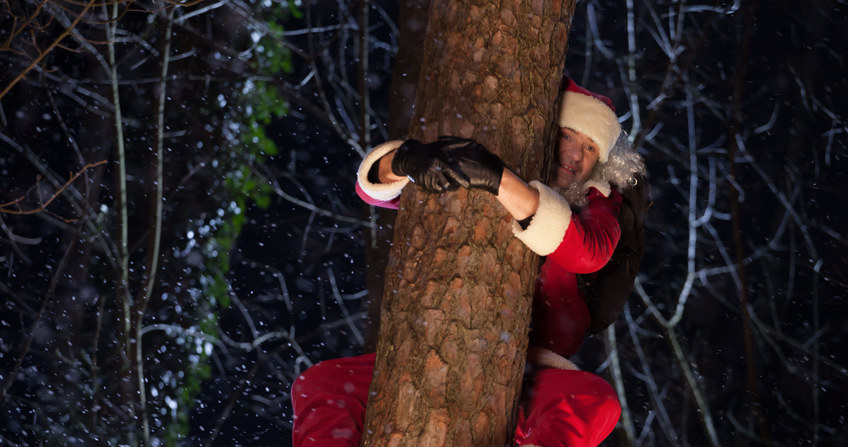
[{"x": 573, "y": 223}]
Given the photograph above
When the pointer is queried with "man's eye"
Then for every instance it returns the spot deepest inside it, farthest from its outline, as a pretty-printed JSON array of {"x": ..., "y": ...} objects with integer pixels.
[{"x": 591, "y": 148}]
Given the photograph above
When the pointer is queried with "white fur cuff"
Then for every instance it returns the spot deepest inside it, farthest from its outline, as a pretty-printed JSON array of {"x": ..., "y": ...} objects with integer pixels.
[
  {"x": 379, "y": 191},
  {"x": 549, "y": 224},
  {"x": 602, "y": 186},
  {"x": 547, "y": 358}
]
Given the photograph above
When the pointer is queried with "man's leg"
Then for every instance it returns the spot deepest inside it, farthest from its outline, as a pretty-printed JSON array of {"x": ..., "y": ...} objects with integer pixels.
[
  {"x": 567, "y": 408},
  {"x": 329, "y": 402}
]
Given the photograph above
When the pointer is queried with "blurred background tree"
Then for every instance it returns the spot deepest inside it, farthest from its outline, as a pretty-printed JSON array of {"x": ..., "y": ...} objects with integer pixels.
[{"x": 211, "y": 247}]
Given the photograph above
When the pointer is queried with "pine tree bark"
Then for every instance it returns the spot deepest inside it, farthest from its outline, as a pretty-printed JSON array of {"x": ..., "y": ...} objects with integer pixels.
[{"x": 456, "y": 306}]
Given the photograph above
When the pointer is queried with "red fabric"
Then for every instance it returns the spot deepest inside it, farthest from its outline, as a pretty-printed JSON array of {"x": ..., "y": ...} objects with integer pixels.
[
  {"x": 559, "y": 408},
  {"x": 567, "y": 408},
  {"x": 572, "y": 86},
  {"x": 391, "y": 204},
  {"x": 560, "y": 315},
  {"x": 329, "y": 399},
  {"x": 591, "y": 236}
]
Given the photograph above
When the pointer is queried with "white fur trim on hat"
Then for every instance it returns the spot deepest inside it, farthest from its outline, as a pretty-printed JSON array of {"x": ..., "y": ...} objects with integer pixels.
[
  {"x": 550, "y": 359},
  {"x": 549, "y": 224},
  {"x": 379, "y": 191},
  {"x": 591, "y": 117},
  {"x": 602, "y": 186}
]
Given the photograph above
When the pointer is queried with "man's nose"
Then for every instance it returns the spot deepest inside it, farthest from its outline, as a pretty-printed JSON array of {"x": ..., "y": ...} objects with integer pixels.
[{"x": 572, "y": 151}]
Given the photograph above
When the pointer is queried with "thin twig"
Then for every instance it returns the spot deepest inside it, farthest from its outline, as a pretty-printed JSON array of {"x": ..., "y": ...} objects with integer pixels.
[{"x": 6, "y": 207}]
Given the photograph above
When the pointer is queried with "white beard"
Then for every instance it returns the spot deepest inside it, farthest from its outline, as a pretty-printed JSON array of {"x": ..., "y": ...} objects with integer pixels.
[{"x": 575, "y": 194}]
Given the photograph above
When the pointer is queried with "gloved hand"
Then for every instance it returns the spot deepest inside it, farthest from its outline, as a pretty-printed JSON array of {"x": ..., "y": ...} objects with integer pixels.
[
  {"x": 428, "y": 165},
  {"x": 483, "y": 168}
]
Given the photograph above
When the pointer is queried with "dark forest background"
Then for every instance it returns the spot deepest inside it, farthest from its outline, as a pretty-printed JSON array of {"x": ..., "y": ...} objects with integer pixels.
[{"x": 164, "y": 280}]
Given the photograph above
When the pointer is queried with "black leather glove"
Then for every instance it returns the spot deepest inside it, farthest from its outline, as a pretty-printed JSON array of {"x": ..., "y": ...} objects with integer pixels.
[
  {"x": 483, "y": 168},
  {"x": 428, "y": 165}
]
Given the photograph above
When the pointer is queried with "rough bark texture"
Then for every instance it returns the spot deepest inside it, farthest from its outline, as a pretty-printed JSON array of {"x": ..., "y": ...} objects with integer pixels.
[{"x": 457, "y": 299}]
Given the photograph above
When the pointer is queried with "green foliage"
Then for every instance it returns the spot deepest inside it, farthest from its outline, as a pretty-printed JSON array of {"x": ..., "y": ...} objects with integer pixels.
[
  {"x": 196, "y": 372},
  {"x": 260, "y": 104}
]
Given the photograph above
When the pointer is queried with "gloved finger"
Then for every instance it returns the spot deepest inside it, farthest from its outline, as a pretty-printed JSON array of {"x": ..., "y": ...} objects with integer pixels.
[
  {"x": 433, "y": 182},
  {"x": 451, "y": 169},
  {"x": 456, "y": 176},
  {"x": 443, "y": 164},
  {"x": 450, "y": 187},
  {"x": 435, "y": 188},
  {"x": 446, "y": 179},
  {"x": 447, "y": 143}
]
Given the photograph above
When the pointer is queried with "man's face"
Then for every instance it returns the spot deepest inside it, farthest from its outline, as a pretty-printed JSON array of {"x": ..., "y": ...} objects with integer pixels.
[{"x": 576, "y": 156}]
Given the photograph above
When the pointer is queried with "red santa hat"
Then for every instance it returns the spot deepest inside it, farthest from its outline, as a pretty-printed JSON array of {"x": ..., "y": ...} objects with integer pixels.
[{"x": 590, "y": 114}]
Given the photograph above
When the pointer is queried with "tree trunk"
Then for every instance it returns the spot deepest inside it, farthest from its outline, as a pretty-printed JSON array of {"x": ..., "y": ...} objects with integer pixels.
[{"x": 456, "y": 307}]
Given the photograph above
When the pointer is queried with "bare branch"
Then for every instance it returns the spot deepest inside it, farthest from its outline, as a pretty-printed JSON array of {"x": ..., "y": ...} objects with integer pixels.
[{"x": 8, "y": 206}]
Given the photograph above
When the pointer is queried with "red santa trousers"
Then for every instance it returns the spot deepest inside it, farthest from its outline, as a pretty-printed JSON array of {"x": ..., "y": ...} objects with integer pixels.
[{"x": 559, "y": 408}]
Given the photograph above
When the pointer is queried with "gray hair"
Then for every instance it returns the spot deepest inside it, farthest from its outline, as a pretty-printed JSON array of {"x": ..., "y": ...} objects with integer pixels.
[{"x": 624, "y": 166}]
